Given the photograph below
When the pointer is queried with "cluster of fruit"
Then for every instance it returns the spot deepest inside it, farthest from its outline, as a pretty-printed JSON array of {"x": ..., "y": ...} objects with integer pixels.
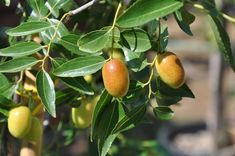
[
  {"x": 22, "y": 124},
  {"x": 116, "y": 77}
]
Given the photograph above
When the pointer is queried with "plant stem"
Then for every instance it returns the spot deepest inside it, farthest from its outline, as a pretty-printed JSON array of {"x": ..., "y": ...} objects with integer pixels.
[{"x": 83, "y": 7}]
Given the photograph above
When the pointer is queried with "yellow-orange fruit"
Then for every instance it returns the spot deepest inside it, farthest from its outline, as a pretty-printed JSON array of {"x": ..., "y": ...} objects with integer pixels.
[
  {"x": 170, "y": 69},
  {"x": 116, "y": 78},
  {"x": 19, "y": 121}
]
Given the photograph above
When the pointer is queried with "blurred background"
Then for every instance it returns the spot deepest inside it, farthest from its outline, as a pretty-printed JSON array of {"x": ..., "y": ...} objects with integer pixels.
[{"x": 204, "y": 126}]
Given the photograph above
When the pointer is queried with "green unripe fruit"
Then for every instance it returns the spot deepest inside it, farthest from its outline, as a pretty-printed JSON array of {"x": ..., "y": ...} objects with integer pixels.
[
  {"x": 82, "y": 116},
  {"x": 35, "y": 132},
  {"x": 116, "y": 78},
  {"x": 19, "y": 121},
  {"x": 170, "y": 69}
]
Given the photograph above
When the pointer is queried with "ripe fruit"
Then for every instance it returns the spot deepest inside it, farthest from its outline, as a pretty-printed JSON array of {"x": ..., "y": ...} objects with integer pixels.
[
  {"x": 35, "y": 131},
  {"x": 82, "y": 116},
  {"x": 170, "y": 69},
  {"x": 116, "y": 78},
  {"x": 19, "y": 121}
]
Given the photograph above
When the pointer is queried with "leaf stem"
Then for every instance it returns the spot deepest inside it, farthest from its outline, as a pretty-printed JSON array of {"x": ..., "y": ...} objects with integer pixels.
[
  {"x": 225, "y": 16},
  {"x": 52, "y": 39},
  {"x": 113, "y": 26},
  {"x": 116, "y": 14}
]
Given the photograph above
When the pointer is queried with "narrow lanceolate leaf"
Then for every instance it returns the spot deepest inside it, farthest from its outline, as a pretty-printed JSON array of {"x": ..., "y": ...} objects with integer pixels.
[
  {"x": 18, "y": 64},
  {"x": 144, "y": 11},
  {"x": 80, "y": 66},
  {"x": 184, "y": 19},
  {"x": 8, "y": 90},
  {"x": 136, "y": 40},
  {"x": 70, "y": 43},
  {"x": 222, "y": 40},
  {"x": 7, "y": 103},
  {"x": 21, "y": 49},
  {"x": 3, "y": 80},
  {"x": 182, "y": 91},
  {"x": 108, "y": 120},
  {"x": 94, "y": 41},
  {"x": 163, "y": 113},
  {"x": 38, "y": 7},
  {"x": 46, "y": 91},
  {"x": 4, "y": 112},
  {"x": 104, "y": 100},
  {"x": 78, "y": 84},
  {"x": 132, "y": 118},
  {"x": 52, "y": 5},
  {"x": 106, "y": 144},
  {"x": 28, "y": 28}
]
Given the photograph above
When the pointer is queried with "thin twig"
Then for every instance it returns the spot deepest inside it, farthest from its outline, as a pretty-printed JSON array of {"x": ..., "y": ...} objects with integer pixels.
[{"x": 83, "y": 7}]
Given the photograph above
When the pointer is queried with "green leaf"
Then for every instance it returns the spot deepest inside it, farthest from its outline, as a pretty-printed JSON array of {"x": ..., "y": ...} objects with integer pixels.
[
  {"x": 70, "y": 43},
  {"x": 18, "y": 64},
  {"x": 132, "y": 117},
  {"x": 7, "y": 103},
  {"x": 8, "y": 90},
  {"x": 28, "y": 28},
  {"x": 222, "y": 40},
  {"x": 163, "y": 113},
  {"x": 136, "y": 61},
  {"x": 94, "y": 41},
  {"x": 65, "y": 97},
  {"x": 38, "y": 7},
  {"x": 4, "y": 112},
  {"x": 80, "y": 66},
  {"x": 46, "y": 91},
  {"x": 152, "y": 27},
  {"x": 49, "y": 33},
  {"x": 108, "y": 120},
  {"x": 164, "y": 38},
  {"x": 106, "y": 144},
  {"x": 3, "y": 80},
  {"x": 78, "y": 84},
  {"x": 136, "y": 40},
  {"x": 114, "y": 37},
  {"x": 21, "y": 49},
  {"x": 166, "y": 100},
  {"x": 143, "y": 11},
  {"x": 52, "y": 5},
  {"x": 183, "y": 91},
  {"x": 184, "y": 19},
  {"x": 134, "y": 91},
  {"x": 104, "y": 100}
]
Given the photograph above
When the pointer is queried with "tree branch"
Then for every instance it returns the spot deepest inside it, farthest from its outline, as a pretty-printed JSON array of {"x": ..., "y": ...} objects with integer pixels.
[{"x": 83, "y": 7}]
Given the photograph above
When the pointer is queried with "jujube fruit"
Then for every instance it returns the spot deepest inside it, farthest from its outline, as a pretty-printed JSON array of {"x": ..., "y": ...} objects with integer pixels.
[
  {"x": 19, "y": 121},
  {"x": 35, "y": 132},
  {"x": 170, "y": 69},
  {"x": 82, "y": 115},
  {"x": 115, "y": 77}
]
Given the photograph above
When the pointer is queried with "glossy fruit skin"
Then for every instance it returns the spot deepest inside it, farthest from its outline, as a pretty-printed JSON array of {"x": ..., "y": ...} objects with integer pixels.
[
  {"x": 116, "y": 78},
  {"x": 35, "y": 132},
  {"x": 170, "y": 69},
  {"x": 82, "y": 115},
  {"x": 19, "y": 121}
]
